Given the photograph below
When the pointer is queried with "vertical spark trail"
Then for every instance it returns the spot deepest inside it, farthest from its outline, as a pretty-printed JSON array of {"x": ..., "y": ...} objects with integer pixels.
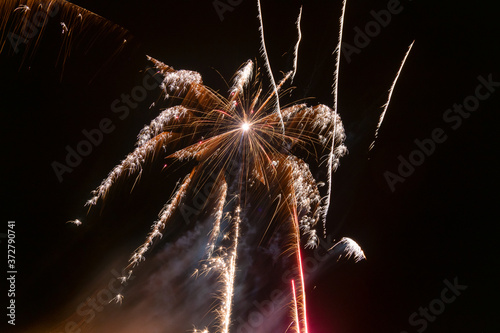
[
  {"x": 303, "y": 289},
  {"x": 301, "y": 314},
  {"x": 268, "y": 67},
  {"x": 295, "y": 306},
  {"x": 331, "y": 157},
  {"x": 219, "y": 210},
  {"x": 229, "y": 276},
  {"x": 299, "y": 38},
  {"x": 338, "y": 50},
  {"x": 391, "y": 90}
]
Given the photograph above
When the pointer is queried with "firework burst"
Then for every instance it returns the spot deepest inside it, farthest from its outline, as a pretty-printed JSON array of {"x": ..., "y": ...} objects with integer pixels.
[
  {"x": 251, "y": 151},
  {"x": 256, "y": 150}
]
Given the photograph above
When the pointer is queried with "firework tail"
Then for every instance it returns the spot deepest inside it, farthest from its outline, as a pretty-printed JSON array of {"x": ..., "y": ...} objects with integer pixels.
[
  {"x": 159, "y": 225},
  {"x": 219, "y": 211},
  {"x": 268, "y": 67},
  {"x": 299, "y": 38},
  {"x": 391, "y": 90},
  {"x": 303, "y": 288},
  {"x": 333, "y": 156},
  {"x": 229, "y": 276},
  {"x": 295, "y": 308}
]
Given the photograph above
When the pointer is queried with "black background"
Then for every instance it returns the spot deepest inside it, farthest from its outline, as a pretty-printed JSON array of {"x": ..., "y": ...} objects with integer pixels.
[{"x": 439, "y": 224}]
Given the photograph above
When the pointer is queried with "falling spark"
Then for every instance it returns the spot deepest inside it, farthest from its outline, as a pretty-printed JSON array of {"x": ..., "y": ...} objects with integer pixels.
[
  {"x": 391, "y": 90},
  {"x": 303, "y": 293},
  {"x": 64, "y": 28},
  {"x": 351, "y": 249},
  {"x": 76, "y": 222},
  {"x": 23, "y": 8},
  {"x": 159, "y": 225},
  {"x": 219, "y": 211},
  {"x": 335, "y": 152},
  {"x": 296, "y": 52},
  {"x": 295, "y": 308},
  {"x": 229, "y": 276},
  {"x": 118, "y": 299},
  {"x": 268, "y": 66},
  {"x": 199, "y": 331}
]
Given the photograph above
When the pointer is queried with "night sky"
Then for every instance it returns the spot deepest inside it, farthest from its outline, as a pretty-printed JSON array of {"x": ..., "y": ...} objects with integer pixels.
[{"x": 423, "y": 226}]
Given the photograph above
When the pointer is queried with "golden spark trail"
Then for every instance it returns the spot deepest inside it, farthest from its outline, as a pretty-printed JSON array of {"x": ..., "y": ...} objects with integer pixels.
[
  {"x": 229, "y": 276},
  {"x": 334, "y": 155},
  {"x": 218, "y": 217},
  {"x": 159, "y": 225},
  {"x": 386, "y": 105},
  {"x": 303, "y": 289},
  {"x": 299, "y": 38},
  {"x": 268, "y": 67},
  {"x": 295, "y": 307}
]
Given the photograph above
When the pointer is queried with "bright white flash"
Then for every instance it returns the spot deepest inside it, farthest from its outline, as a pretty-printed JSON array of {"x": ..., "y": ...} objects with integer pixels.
[{"x": 245, "y": 126}]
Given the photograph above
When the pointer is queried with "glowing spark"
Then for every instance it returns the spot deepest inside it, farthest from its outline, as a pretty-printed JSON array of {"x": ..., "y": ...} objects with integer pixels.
[
  {"x": 123, "y": 279},
  {"x": 245, "y": 126},
  {"x": 64, "y": 28},
  {"x": 118, "y": 299},
  {"x": 76, "y": 222},
  {"x": 351, "y": 249},
  {"x": 386, "y": 105},
  {"x": 23, "y": 8}
]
